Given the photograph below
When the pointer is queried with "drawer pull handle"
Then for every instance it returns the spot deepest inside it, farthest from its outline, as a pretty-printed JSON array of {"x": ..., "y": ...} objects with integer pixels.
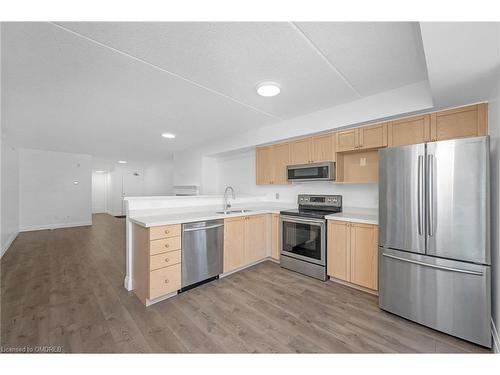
[
  {"x": 167, "y": 260},
  {"x": 166, "y": 281},
  {"x": 167, "y": 245},
  {"x": 167, "y": 231}
]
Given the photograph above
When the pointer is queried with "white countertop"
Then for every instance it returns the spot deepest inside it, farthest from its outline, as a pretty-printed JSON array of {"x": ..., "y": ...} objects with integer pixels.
[
  {"x": 206, "y": 213},
  {"x": 356, "y": 215}
]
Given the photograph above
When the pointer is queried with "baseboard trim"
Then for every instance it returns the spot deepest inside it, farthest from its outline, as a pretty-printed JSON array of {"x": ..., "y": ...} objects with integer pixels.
[
  {"x": 245, "y": 266},
  {"x": 55, "y": 226},
  {"x": 354, "y": 286},
  {"x": 496, "y": 338},
  {"x": 6, "y": 246}
]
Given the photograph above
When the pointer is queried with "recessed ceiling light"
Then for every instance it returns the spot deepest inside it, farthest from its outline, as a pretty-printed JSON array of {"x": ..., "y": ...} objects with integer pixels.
[
  {"x": 122, "y": 161},
  {"x": 168, "y": 135},
  {"x": 268, "y": 89},
  {"x": 75, "y": 182}
]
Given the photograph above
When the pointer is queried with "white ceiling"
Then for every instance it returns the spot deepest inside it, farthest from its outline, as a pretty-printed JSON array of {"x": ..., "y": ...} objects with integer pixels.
[{"x": 110, "y": 89}]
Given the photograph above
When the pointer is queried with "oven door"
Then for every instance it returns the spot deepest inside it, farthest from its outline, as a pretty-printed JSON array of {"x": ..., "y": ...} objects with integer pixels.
[{"x": 303, "y": 238}]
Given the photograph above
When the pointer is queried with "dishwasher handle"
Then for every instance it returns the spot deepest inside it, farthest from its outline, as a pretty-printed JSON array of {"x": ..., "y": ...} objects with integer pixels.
[{"x": 202, "y": 228}]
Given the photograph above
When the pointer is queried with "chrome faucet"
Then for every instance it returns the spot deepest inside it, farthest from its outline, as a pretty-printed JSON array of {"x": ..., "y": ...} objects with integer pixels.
[{"x": 227, "y": 205}]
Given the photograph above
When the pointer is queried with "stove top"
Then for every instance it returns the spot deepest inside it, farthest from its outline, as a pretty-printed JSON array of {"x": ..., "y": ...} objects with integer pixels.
[
  {"x": 317, "y": 214},
  {"x": 316, "y": 206}
]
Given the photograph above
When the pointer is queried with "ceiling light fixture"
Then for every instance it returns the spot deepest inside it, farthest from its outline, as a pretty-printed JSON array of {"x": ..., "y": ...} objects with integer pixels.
[
  {"x": 100, "y": 171},
  {"x": 122, "y": 161},
  {"x": 168, "y": 135},
  {"x": 268, "y": 89}
]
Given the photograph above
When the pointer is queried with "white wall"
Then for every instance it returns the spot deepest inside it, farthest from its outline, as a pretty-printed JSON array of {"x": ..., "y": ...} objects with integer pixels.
[
  {"x": 99, "y": 192},
  {"x": 158, "y": 178},
  {"x": 239, "y": 171},
  {"x": 494, "y": 130},
  {"x": 9, "y": 195},
  {"x": 48, "y": 197}
]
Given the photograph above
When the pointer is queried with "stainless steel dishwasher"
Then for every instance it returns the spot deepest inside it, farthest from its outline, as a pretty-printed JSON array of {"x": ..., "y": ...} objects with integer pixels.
[{"x": 202, "y": 252}]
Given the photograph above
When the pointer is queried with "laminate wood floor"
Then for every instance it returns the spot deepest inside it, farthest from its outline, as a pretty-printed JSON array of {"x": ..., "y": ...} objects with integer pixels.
[{"x": 64, "y": 289}]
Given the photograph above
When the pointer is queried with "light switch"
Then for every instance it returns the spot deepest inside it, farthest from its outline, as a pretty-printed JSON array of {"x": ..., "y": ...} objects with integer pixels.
[{"x": 362, "y": 162}]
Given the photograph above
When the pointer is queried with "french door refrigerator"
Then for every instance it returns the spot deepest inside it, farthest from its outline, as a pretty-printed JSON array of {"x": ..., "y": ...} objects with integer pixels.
[{"x": 434, "y": 236}]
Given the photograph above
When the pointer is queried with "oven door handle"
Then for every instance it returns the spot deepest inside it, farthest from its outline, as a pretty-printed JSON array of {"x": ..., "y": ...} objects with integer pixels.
[{"x": 295, "y": 219}]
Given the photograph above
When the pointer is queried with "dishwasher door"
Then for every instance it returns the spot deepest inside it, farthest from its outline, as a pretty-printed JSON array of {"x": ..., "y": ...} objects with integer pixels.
[{"x": 202, "y": 251}]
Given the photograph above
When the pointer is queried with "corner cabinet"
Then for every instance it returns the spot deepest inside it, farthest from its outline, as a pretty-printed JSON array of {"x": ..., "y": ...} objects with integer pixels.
[
  {"x": 245, "y": 241},
  {"x": 352, "y": 254},
  {"x": 157, "y": 261}
]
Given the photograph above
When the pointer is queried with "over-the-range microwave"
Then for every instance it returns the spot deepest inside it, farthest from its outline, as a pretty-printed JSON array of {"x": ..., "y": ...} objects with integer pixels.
[{"x": 311, "y": 172}]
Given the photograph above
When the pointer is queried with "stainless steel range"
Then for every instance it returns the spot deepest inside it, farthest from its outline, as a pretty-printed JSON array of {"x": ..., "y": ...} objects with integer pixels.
[{"x": 303, "y": 234}]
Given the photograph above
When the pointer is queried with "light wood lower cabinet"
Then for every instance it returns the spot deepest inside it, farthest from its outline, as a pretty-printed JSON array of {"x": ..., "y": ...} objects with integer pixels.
[
  {"x": 275, "y": 236},
  {"x": 245, "y": 241},
  {"x": 353, "y": 253},
  {"x": 156, "y": 261}
]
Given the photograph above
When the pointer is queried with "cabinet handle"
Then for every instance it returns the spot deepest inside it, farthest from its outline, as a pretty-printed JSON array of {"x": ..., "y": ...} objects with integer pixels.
[
  {"x": 167, "y": 231},
  {"x": 166, "y": 281},
  {"x": 167, "y": 245},
  {"x": 167, "y": 260}
]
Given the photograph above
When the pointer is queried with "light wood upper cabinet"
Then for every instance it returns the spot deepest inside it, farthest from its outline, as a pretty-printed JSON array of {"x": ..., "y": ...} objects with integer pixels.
[
  {"x": 339, "y": 247},
  {"x": 366, "y": 137},
  {"x": 300, "y": 151},
  {"x": 347, "y": 140},
  {"x": 364, "y": 255},
  {"x": 255, "y": 238},
  {"x": 353, "y": 253},
  {"x": 245, "y": 241},
  {"x": 281, "y": 159},
  {"x": 409, "y": 131},
  {"x": 461, "y": 122},
  {"x": 234, "y": 243},
  {"x": 275, "y": 236},
  {"x": 271, "y": 163},
  {"x": 373, "y": 136},
  {"x": 323, "y": 148}
]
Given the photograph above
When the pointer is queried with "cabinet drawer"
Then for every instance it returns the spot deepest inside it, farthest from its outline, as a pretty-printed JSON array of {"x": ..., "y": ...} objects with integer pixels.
[
  {"x": 164, "y": 260},
  {"x": 165, "y": 280},
  {"x": 167, "y": 244},
  {"x": 164, "y": 231}
]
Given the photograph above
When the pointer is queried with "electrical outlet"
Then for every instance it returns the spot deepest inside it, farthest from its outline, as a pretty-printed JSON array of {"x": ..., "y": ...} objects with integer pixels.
[
  {"x": 362, "y": 162},
  {"x": 277, "y": 195}
]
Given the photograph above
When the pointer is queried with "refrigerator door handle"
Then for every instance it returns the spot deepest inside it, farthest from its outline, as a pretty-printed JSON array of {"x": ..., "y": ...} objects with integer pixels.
[
  {"x": 420, "y": 190},
  {"x": 430, "y": 194},
  {"x": 477, "y": 273}
]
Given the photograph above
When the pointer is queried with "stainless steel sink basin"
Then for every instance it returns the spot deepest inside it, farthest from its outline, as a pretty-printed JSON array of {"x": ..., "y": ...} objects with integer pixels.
[{"x": 233, "y": 212}]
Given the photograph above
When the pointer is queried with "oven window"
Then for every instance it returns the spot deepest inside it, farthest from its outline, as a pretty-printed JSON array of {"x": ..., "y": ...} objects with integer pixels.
[{"x": 302, "y": 239}]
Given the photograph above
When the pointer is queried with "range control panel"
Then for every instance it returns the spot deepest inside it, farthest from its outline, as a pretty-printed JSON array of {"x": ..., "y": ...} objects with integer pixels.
[{"x": 320, "y": 200}]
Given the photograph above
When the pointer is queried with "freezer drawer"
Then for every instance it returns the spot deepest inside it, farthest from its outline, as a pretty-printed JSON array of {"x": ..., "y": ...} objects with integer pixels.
[{"x": 449, "y": 296}]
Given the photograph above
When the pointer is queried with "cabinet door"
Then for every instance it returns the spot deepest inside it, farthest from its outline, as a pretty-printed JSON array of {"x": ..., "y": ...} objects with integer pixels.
[
  {"x": 409, "y": 131},
  {"x": 323, "y": 148},
  {"x": 300, "y": 151},
  {"x": 374, "y": 136},
  {"x": 234, "y": 243},
  {"x": 281, "y": 158},
  {"x": 275, "y": 236},
  {"x": 263, "y": 166},
  {"x": 462, "y": 122},
  {"x": 347, "y": 140},
  {"x": 338, "y": 255},
  {"x": 255, "y": 238},
  {"x": 364, "y": 255}
]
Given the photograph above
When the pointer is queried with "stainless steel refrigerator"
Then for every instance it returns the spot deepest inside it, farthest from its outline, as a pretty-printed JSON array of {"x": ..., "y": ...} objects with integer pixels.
[{"x": 434, "y": 236}]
